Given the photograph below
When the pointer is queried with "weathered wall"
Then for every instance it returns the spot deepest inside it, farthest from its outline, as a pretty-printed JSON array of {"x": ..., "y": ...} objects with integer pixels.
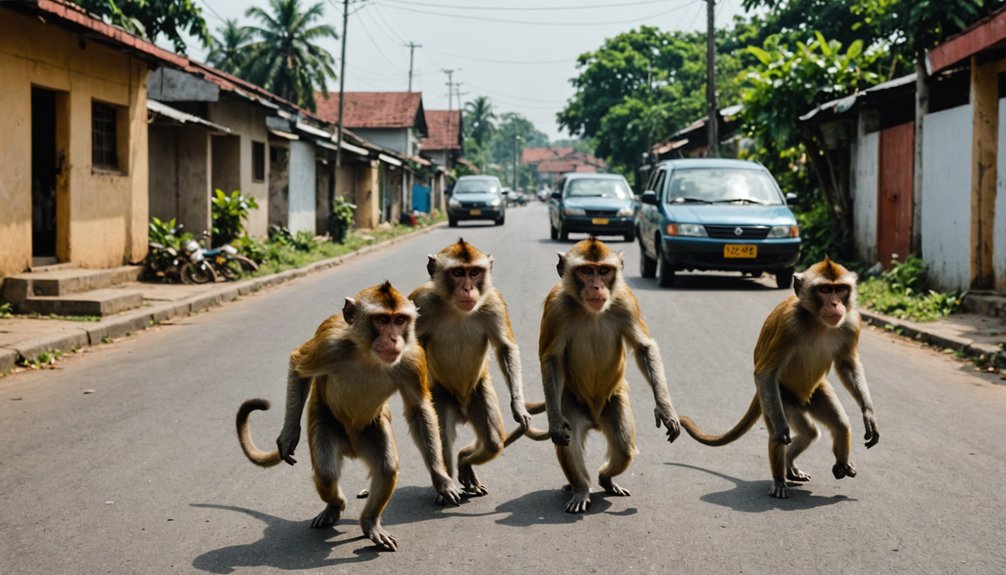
[
  {"x": 247, "y": 121},
  {"x": 279, "y": 183},
  {"x": 102, "y": 215},
  {"x": 302, "y": 187},
  {"x": 999, "y": 225},
  {"x": 179, "y": 175},
  {"x": 864, "y": 194},
  {"x": 946, "y": 197}
]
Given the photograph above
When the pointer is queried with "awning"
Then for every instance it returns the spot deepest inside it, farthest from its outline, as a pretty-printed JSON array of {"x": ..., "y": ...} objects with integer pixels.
[
  {"x": 183, "y": 117},
  {"x": 389, "y": 160},
  {"x": 283, "y": 134}
]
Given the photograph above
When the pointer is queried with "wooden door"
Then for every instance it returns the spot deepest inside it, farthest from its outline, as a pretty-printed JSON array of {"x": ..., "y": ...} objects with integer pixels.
[{"x": 894, "y": 196}]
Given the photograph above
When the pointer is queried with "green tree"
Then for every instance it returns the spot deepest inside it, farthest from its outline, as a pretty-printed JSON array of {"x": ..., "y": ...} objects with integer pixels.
[
  {"x": 480, "y": 120},
  {"x": 151, "y": 18},
  {"x": 285, "y": 57},
  {"x": 229, "y": 49},
  {"x": 512, "y": 134}
]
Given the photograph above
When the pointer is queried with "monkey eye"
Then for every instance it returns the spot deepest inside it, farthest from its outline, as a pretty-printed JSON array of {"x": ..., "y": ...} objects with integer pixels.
[
  {"x": 458, "y": 272},
  {"x": 382, "y": 319},
  {"x": 401, "y": 320},
  {"x": 586, "y": 270},
  {"x": 604, "y": 270},
  {"x": 474, "y": 273},
  {"x": 836, "y": 289}
]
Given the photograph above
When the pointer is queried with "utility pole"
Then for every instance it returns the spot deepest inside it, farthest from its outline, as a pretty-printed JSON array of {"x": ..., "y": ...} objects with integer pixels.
[
  {"x": 712, "y": 149},
  {"x": 412, "y": 51},
  {"x": 516, "y": 159},
  {"x": 342, "y": 107}
]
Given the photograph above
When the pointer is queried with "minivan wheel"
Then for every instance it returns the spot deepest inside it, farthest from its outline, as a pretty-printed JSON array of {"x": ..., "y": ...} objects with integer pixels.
[
  {"x": 452, "y": 222},
  {"x": 552, "y": 232},
  {"x": 563, "y": 234},
  {"x": 784, "y": 278},
  {"x": 666, "y": 271},
  {"x": 647, "y": 265}
]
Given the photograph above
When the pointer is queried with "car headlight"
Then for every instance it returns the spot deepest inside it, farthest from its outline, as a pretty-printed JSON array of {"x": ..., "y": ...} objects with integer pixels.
[
  {"x": 574, "y": 212},
  {"x": 784, "y": 232},
  {"x": 454, "y": 203},
  {"x": 693, "y": 230},
  {"x": 625, "y": 212},
  {"x": 494, "y": 203}
]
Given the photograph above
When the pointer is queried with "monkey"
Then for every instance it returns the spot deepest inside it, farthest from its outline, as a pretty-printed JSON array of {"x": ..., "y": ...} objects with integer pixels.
[
  {"x": 589, "y": 318},
  {"x": 801, "y": 340},
  {"x": 345, "y": 374},
  {"x": 461, "y": 314}
]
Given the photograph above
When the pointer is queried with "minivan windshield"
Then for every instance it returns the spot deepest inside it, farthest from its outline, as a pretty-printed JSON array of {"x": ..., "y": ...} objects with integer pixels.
[
  {"x": 723, "y": 186},
  {"x": 598, "y": 188},
  {"x": 476, "y": 186}
]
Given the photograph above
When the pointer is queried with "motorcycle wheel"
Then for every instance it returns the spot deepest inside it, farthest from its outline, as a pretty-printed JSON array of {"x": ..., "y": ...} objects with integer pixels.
[
  {"x": 231, "y": 269},
  {"x": 247, "y": 264},
  {"x": 198, "y": 274}
]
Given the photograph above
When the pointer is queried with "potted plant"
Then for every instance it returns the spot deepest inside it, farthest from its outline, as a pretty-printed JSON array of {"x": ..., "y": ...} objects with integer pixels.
[{"x": 343, "y": 214}]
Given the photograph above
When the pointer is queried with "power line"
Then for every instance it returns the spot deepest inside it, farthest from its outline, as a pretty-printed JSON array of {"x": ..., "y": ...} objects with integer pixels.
[
  {"x": 514, "y": 62},
  {"x": 539, "y": 23},
  {"x": 526, "y": 9}
]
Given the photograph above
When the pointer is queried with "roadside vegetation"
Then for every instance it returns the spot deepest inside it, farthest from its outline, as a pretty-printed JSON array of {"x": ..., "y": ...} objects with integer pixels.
[{"x": 902, "y": 292}]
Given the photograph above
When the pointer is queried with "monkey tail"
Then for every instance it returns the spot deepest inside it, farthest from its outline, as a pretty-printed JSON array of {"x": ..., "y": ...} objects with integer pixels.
[
  {"x": 535, "y": 407},
  {"x": 532, "y": 433},
  {"x": 256, "y": 456},
  {"x": 749, "y": 419}
]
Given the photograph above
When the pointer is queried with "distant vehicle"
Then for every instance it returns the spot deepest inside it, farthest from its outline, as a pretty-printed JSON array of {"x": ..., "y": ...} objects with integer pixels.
[
  {"x": 598, "y": 204},
  {"x": 477, "y": 198},
  {"x": 715, "y": 214}
]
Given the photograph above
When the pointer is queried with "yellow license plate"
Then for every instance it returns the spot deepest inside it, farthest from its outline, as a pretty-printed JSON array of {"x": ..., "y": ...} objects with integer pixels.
[
  {"x": 475, "y": 212},
  {"x": 599, "y": 221},
  {"x": 740, "y": 251}
]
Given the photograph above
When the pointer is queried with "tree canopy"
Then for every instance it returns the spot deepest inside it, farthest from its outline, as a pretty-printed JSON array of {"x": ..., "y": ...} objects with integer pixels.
[{"x": 151, "y": 18}]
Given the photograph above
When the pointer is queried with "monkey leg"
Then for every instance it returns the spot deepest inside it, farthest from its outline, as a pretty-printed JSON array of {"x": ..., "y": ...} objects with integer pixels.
[
  {"x": 376, "y": 447},
  {"x": 448, "y": 414},
  {"x": 804, "y": 434},
  {"x": 571, "y": 456},
  {"x": 826, "y": 408},
  {"x": 487, "y": 423},
  {"x": 328, "y": 442},
  {"x": 619, "y": 428}
]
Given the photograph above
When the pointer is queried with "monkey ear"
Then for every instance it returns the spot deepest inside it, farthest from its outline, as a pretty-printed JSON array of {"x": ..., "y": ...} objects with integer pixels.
[
  {"x": 621, "y": 260},
  {"x": 349, "y": 310},
  {"x": 797, "y": 283},
  {"x": 561, "y": 266},
  {"x": 431, "y": 264},
  {"x": 491, "y": 260}
]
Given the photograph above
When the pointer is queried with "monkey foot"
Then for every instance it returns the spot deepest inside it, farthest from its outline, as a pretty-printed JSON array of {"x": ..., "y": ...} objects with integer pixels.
[
  {"x": 844, "y": 470},
  {"x": 470, "y": 482},
  {"x": 779, "y": 490},
  {"x": 579, "y": 503},
  {"x": 795, "y": 474},
  {"x": 613, "y": 488},
  {"x": 328, "y": 517},
  {"x": 372, "y": 530}
]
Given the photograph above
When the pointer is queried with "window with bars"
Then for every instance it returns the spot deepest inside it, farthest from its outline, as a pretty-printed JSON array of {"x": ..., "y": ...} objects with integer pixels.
[
  {"x": 104, "y": 142},
  {"x": 258, "y": 161}
]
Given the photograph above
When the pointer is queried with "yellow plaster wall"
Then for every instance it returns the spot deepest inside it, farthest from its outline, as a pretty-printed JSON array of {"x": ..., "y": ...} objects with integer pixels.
[{"x": 104, "y": 218}]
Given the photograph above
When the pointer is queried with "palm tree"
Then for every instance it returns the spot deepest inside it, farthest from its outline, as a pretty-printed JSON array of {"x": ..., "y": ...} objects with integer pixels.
[
  {"x": 285, "y": 58},
  {"x": 480, "y": 118},
  {"x": 229, "y": 50}
]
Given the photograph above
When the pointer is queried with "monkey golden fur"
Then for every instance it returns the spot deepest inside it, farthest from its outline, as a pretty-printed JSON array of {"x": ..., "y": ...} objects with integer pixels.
[
  {"x": 345, "y": 375},
  {"x": 801, "y": 340}
]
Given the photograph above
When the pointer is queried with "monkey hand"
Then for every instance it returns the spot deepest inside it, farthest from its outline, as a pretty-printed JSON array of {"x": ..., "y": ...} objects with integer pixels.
[
  {"x": 669, "y": 419},
  {"x": 783, "y": 436},
  {"x": 560, "y": 431},
  {"x": 447, "y": 490},
  {"x": 520, "y": 413},
  {"x": 287, "y": 443},
  {"x": 872, "y": 435}
]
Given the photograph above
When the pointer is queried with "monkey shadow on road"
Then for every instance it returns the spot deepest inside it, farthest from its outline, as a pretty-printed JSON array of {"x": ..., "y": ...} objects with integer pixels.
[
  {"x": 547, "y": 507},
  {"x": 286, "y": 545},
  {"x": 753, "y": 497},
  {"x": 707, "y": 281}
]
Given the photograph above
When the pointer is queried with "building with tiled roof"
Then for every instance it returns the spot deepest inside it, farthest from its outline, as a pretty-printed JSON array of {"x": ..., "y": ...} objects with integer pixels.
[{"x": 395, "y": 120}]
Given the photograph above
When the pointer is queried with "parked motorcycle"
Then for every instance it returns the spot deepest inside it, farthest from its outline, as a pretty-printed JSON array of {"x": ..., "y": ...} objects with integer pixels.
[
  {"x": 162, "y": 263},
  {"x": 196, "y": 269},
  {"x": 229, "y": 263}
]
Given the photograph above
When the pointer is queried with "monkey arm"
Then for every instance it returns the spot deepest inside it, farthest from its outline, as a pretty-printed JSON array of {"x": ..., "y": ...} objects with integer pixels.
[
  {"x": 770, "y": 396},
  {"x": 424, "y": 427},
  {"x": 297, "y": 388},
  {"x": 850, "y": 372},
  {"x": 508, "y": 358},
  {"x": 649, "y": 361},
  {"x": 559, "y": 428}
]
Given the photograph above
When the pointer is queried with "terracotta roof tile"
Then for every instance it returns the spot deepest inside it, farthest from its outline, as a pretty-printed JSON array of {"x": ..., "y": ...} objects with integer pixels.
[
  {"x": 445, "y": 130},
  {"x": 375, "y": 109}
]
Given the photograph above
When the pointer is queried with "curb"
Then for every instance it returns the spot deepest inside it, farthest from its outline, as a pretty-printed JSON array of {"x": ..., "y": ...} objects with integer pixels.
[
  {"x": 918, "y": 332},
  {"x": 129, "y": 322}
]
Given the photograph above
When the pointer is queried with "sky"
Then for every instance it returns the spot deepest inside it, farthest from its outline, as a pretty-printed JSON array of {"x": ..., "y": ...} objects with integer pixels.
[{"x": 521, "y": 54}]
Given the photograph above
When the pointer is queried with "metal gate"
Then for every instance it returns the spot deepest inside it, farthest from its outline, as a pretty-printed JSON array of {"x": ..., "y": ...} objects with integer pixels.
[{"x": 894, "y": 208}]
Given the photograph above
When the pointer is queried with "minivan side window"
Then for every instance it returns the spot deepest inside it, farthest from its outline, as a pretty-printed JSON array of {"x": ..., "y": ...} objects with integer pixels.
[{"x": 658, "y": 184}]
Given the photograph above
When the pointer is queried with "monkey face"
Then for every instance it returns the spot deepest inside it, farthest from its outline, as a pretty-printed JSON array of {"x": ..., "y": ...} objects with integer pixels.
[
  {"x": 389, "y": 339},
  {"x": 595, "y": 285},
  {"x": 834, "y": 300},
  {"x": 466, "y": 286}
]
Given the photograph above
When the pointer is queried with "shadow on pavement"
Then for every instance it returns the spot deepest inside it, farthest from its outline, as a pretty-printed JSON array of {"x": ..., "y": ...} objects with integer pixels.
[
  {"x": 285, "y": 545},
  {"x": 753, "y": 497},
  {"x": 547, "y": 507}
]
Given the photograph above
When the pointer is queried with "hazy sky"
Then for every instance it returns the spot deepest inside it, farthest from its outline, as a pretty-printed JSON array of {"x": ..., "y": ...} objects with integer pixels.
[{"x": 521, "y": 54}]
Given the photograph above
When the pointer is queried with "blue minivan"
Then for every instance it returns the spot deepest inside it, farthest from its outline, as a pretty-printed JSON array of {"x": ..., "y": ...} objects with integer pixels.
[{"x": 715, "y": 214}]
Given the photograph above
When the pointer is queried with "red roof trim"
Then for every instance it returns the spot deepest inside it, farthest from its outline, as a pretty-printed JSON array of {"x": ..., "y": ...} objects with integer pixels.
[{"x": 980, "y": 36}]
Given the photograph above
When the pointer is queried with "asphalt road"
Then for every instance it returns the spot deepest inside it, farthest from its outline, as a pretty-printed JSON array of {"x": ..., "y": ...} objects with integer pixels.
[{"x": 125, "y": 460}]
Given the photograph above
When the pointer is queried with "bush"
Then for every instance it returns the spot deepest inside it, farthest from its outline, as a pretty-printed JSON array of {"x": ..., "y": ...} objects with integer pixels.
[
  {"x": 229, "y": 214},
  {"x": 902, "y": 292}
]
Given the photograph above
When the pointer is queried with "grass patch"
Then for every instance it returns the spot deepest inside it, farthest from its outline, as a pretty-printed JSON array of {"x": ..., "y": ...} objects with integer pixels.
[
  {"x": 903, "y": 292},
  {"x": 42, "y": 360}
]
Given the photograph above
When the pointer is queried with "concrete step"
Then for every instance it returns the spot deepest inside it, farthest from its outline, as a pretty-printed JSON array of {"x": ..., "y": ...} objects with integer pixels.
[
  {"x": 57, "y": 281},
  {"x": 986, "y": 303},
  {"x": 101, "y": 302}
]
